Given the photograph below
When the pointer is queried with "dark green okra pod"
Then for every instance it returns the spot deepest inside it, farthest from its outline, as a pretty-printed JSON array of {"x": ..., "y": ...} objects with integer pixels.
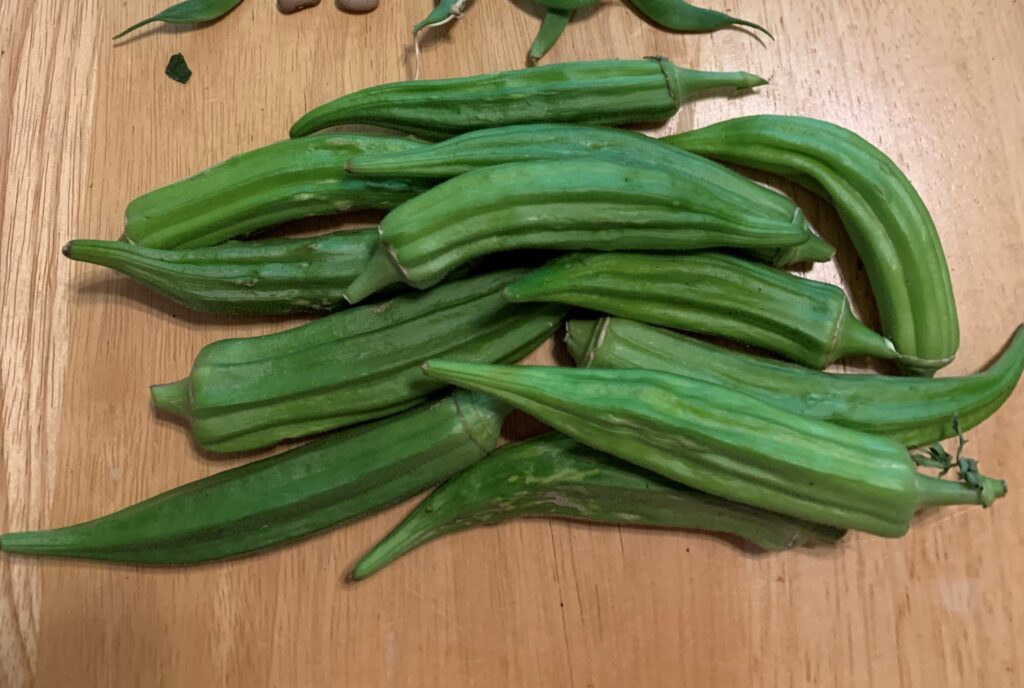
[
  {"x": 726, "y": 443},
  {"x": 911, "y": 411},
  {"x": 883, "y": 213},
  {"x": 682, "y": 16},
  {"x": 579, "y": 203},
  {"x": 353, "y": 366},
  {"x": 711, "y": 293},
  {"x": 598, "y": 92},
  {"x": 265, "y": 277},
  {"x": 555, "y": 476},
  {"x": 526, "y": 142},
  {"x": 289, "y": 496},
  {"x": 263, "y": 188}
]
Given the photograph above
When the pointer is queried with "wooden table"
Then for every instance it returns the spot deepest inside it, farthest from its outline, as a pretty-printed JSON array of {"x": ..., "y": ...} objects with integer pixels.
[{"x": 88, "y": 123}]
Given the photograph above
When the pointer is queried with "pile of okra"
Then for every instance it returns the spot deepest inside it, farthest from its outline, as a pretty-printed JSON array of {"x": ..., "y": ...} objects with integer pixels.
[{"x": 517, "y": 211}]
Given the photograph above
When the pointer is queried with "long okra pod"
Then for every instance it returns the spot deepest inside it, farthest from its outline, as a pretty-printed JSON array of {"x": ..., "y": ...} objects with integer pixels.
[
  {"x": 265, "y": 187},
  {"x": 555, "y": 476},
  {"x": 353, "y": 366},
  {"x": 268, "y": 276},
  {"x": 289, "y": 496},
  {"x": 578, "y": 203},
  {"x": 525, "y": 142},
  {"x": 729, "y": 444},
  {"x": 882, "y": 212},
  {"x": 598, "y": 92},
  {"x": 911, "y": 411},
  {"x": 711, "y": 293}
]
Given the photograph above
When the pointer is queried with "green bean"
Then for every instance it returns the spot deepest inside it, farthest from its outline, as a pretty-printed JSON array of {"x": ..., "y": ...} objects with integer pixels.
[
  {"x": 730, "y": 444},
  {"x": 911, "y": 411},
  {"x": 554, "y": 476},
  {"x": 285, "y": 497}
]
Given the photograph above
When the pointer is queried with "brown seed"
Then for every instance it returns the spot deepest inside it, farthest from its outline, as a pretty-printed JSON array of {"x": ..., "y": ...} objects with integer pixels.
[
  {"x": 357, "y": 5},
  {"x": 289, "y": 6}
]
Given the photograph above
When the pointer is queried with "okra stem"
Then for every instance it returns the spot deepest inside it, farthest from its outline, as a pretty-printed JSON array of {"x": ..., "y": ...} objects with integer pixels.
[{"x": 937, "y": 492}]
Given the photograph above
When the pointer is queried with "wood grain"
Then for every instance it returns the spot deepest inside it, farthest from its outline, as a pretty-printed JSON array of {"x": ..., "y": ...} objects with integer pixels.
[{"x": 86, "y": 124}]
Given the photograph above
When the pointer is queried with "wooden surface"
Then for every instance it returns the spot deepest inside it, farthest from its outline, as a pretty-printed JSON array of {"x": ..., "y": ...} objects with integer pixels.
[{"x": 86, "y": 124}]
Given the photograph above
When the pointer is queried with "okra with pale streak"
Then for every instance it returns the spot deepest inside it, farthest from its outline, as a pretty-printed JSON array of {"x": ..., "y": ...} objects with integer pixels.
[
  {"x": 577, "y": 203},
  {"x": 729, "y": 444},
  {"x": 263, "y": 188},
  {"x": 911, "y": 411},
  {"x": 529, "y": 142},
  {"x": 885, "y": 217},
  {"x": 556, "y": 477},
  {"x": 289, "y": 496},
  {"x": 357, "y": 365},
  {"x": 266, "y": 277},
  {"x": 597, "y": 92},
  {"x": 806, "y": 321}
]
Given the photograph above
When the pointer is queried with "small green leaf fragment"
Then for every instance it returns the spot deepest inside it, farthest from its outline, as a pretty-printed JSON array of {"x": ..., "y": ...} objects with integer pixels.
[{"x": 178, "y": 69}]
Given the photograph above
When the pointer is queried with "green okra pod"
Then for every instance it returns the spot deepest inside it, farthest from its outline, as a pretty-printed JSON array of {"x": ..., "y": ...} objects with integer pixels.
[
  {"x": 712, "y": 293},
  {"x": 597, "y": 92},
  {"x": 911, "y": 411},
  {"x": 265, "y": 277},
  {"x": 885, "y": 217},
  {"x": 729, "y": 444},
  {"x": 552, "y": 27},
  {"x": 356, "y": 365},
  {"x": 578, "y": 203},
  {"x": 263, "y": 188},
  {"x": 526, "y": 142},
  {"x": 555, "y": 476},
  {"x": 280, "y": 499}
]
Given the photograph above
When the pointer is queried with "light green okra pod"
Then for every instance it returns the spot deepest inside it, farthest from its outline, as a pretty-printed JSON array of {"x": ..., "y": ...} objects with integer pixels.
[
  {"x": 526, "y": 142},
  {"x": 265, "y": 277},
  {"x": 578, "y": 203},
  {"x": 555, "y": 476},
  {"x": 289, "y": 496},
  {"x": 353, "y": 366},
  {"x": 885, "y": 217},
  {"x": 712, "y": 293},
  {"x": 911, "y": 411},
  {"x": 726, "y": 443},
  {"x": 263, "y": 188},
  {"x": 597, "y": 92}
]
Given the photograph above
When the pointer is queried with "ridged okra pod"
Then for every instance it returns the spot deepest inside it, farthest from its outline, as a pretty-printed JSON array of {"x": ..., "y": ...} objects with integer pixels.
[
  {"x": 528, "y": 142},
  {"x": 286, "y": 497},
  {"x": 596, "y": 92},
  {"x": 579, "y": 203},
  {"x": 556, "y": 477},
  {"x": 353, "y": 366},
  {"x": 712, "y": 293},
  {"x": 911, "y": 411},
  {"x": 266, "y": 276},
  {"x": 885, "y": 217},
  {"x": 263, "y": 188},
  {"x": 729, "y": 444}
]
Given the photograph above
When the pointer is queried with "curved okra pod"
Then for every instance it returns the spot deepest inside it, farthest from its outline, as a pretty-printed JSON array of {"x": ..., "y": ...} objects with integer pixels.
[
  {"x": 598, "y": 92},
  {"x": 568, "y": 204},
  {"x": 911, "y": 411},
  {"x": 554, "y": 476},
  {"x": 729, "y": 444},
  {"x": 883, "y": 213},
  {"x": 806, "y": 321},
  {"x": 265, "y": 187},
  {"x": 526, "y": 142},
  {"x": 289, "y": 496},
  {"x": 552, "y": 27},
  {"x": 677, "y": 15},
  {"x": 265, "y": 277},
  {"x": 357, "y": 365}
]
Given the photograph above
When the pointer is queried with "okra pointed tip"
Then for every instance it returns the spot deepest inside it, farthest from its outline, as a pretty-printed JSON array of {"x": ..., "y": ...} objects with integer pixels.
[
  {"x": 379, "y": 272},
  {"x": 66, "y": 250},
  {"x": 173, "y": 397}
]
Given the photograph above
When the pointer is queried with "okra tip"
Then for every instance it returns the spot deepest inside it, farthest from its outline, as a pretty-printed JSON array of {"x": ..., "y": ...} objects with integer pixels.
[
  {"x": 173, "y": 397},
  {"x": 380, "y": 271},
  {"x": 583, "y": 337}
]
